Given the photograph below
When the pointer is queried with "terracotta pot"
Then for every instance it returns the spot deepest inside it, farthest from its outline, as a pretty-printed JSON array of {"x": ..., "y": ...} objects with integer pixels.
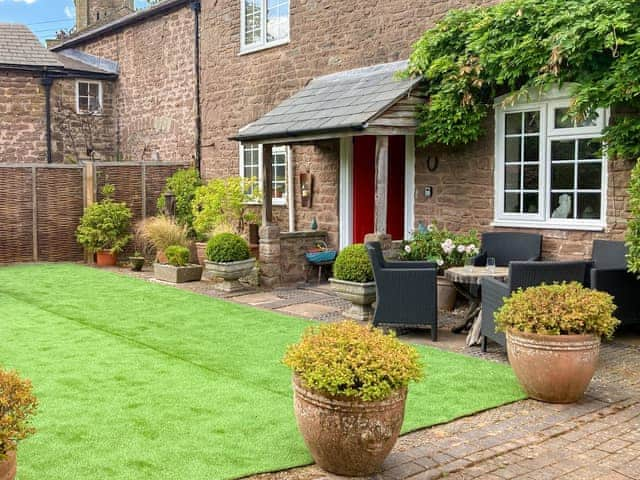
[
  {"x": 201, "y": 248},
  {"x": 553, "y": 368},
  {"x": 446, "y": 294},
  {"x": 361, "y": 296},
  {"x": 8, "y": 467},
  {"x": 104, "y": 258},
  {"x": 161, "y": 257},
  {"x": 348, "y": 437}
]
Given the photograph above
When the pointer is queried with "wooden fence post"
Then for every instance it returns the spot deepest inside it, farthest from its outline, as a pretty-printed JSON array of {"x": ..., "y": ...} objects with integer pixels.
[{"x": 34, "y": 210}]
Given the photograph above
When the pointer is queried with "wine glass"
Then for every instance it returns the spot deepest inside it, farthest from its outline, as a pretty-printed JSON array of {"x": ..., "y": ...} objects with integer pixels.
[{"x": 491, "y": 264}]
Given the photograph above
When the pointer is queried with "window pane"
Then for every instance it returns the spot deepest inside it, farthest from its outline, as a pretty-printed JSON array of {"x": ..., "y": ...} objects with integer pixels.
[
  {"x": 83, "y": 89},
  {"x": 531, "y": 149},
  {"x": 253, "y": 21},
  {"x": 512, "y": 177},
  {"x": 531, "y": 177},
  {"x": 589, "y": 176},
  {"x": 562, "y": 176},
  {"x": 513, "y": 123},
  {"x": 563, "y": 150},
  {"x": 589, "y": 205},
  {"x": 531, "y": 202},
  {"x": 277, "y": 19},
  {"x": 589, "y": 149},
  {"x": 512, "y": 149},
  {"x": 93, "y": 89},
  {"x": 512, "y": 202},
  {"x": 532, "y": 122},
  {"x": 83, "y": 104},
  {"x": 94, "y": 104},
  {"x": 590, "y": 121},
  {"x": 561, "y": 120},
  {"x": 562, "y": 205}
]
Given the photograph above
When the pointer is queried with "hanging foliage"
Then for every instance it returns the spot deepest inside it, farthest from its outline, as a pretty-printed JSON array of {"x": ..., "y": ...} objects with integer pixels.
[
  {"x": 518, "y": 46},
  {"x": 633, "y": 229}
]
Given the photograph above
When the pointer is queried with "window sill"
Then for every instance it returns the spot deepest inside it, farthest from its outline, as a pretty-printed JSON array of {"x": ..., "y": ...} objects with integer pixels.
[
  {"x": 276, "y": 202},
  {"x": 549, "y": 226},
  {"x": 259, "y": 48}
]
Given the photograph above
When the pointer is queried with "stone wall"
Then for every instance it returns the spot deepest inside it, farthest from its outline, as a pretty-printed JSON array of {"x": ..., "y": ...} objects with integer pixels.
[
  {"x": 293, "y": 246},
  {"x": 154, "y": 94},
  {"x": 22, "y": 118},
  {"x": 463, "y": 197},
  {"x": 80, "y": 136}
]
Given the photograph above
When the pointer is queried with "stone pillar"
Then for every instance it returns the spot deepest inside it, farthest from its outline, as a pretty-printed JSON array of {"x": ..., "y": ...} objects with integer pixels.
[
  {"x": 384, "y": 239},
  {"x": 269, "y": 255}
]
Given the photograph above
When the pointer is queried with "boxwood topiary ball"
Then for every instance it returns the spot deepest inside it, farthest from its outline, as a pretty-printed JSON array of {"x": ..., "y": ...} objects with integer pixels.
[
  {"x": 353, "y": 264},
  {"x": 227, "y": 247}
]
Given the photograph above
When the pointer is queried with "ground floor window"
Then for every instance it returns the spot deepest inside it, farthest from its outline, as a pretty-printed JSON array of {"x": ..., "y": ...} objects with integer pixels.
[
  {"x": 550, "y": 171},
  {"x": 88, "y": 96},
  {"x": 251, "y": 169}
]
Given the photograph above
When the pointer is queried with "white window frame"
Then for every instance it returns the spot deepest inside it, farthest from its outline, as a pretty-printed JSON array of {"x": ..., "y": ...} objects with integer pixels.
[
  {"x": 274, "y": 200},
  {"x": 542, "y": 220},
  {"x": 262, "y": 44},
  {"x": 101, "y": 104}
]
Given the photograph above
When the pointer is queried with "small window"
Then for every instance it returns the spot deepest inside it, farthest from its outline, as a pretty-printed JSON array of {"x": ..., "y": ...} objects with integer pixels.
[
  {"x": 265, "y": 23},
  {"x": 88, "y": 97},
  {"x": 251, "y": 169}
]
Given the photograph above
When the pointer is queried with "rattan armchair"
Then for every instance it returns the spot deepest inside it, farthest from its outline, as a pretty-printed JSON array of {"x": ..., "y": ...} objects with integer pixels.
[
  {"x": 407, "y": 293},
  {"x": 506, "y": 247}
]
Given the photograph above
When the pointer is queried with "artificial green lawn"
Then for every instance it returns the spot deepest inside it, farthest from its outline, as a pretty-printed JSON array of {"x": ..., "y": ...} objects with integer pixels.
[{"x": 138, "y": 380}]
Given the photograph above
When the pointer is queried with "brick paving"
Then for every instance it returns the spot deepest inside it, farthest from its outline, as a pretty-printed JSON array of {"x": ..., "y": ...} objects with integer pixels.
[{"x": 597, "y": 438}]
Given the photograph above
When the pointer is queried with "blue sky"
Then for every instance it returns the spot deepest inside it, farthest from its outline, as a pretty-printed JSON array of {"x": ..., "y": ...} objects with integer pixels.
[{"x": 43, "y": 17}]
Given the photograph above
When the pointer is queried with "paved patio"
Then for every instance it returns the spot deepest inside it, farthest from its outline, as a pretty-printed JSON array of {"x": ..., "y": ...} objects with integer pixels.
[{"x": 598, "y": 438}]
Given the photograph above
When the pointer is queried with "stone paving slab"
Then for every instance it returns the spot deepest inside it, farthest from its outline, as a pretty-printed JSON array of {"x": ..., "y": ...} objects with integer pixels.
[{"x": 597, "y": 438}]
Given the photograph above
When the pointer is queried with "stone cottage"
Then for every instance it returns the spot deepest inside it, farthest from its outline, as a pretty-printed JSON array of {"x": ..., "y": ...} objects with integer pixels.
[{"x": 302, "y": 95}]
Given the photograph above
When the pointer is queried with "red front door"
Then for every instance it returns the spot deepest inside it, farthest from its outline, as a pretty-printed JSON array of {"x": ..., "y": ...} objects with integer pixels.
[{"x": 364, "y": 187}]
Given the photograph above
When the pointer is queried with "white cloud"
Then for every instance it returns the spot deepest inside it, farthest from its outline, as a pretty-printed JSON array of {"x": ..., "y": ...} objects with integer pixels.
[
  {"x": 68, "y": 12},
  {"x": 28, "y": 2}
]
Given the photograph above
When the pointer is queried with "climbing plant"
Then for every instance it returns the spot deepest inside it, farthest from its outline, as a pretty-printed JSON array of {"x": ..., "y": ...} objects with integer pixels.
[
  {"x": 518, "y": 47},
  {"x": 633, "y": 229}
]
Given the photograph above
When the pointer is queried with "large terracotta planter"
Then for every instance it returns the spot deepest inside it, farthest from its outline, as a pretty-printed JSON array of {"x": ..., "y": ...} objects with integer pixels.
[
  {"x": 105, "y": 258},
  {"x": 553, "y": 368},
  {"x": 171, "y": 274},
  {"x": 361, "y": 296},
  {"x": 8, "y": 467},
  {"x": 230, "y": 273},
  {"x": 446, "y": 294},
  {"x": 348, "y": 437}
]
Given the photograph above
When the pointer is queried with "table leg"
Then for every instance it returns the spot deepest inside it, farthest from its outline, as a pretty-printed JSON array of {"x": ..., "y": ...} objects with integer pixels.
[{"x": 472, "y": 311}]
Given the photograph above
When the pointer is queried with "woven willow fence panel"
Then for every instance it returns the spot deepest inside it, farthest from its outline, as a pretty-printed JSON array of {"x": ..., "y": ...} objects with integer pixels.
[{"x": 40, "y": 204}]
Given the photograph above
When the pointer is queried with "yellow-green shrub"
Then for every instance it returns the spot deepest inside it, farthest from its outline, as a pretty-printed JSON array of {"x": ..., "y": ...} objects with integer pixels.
[
  {"x": 353, "y": 361},
  {"x": 17, "y": 405},
  {"x": 559, "y": 309}
]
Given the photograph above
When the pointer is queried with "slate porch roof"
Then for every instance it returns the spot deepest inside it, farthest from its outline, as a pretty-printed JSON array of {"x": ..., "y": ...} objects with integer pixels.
[
  {"x": 343, "y": 101},
  {"x": 20, "y": 47}
]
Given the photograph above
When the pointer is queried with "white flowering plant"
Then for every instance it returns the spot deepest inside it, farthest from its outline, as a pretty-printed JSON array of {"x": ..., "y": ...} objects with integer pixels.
[{"x": 436, "y": 244}]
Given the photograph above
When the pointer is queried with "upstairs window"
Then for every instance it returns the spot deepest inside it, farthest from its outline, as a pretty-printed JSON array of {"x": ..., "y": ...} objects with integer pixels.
[
  {"x": 251, "y": 169},
  {"x": 265, "y": 23},
  {"x": 88, "y": 97},
  {"x": 550, "y": 169}
]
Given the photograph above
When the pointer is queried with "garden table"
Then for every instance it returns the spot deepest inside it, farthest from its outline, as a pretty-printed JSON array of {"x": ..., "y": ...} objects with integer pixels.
[{"x": 467, "y": 280}]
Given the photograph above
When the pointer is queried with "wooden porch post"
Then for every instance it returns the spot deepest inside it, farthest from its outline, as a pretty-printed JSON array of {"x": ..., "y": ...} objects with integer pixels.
[
  {"x": 382, "y": 173},
  {"x": 267, "y": 185}
]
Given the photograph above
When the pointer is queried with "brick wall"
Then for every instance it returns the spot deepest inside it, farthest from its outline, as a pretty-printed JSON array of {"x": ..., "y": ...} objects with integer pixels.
[
  {"x": 74, "y": 134},
  {"x": 22, "y": 118},
  {"x": 155, "y": 107}
]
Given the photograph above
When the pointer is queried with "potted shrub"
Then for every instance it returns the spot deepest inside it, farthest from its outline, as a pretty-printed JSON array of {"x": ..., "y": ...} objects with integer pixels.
[
  {"x": 104, "y": 228},
  {"x": 447, "y": 249},
  {"x": 553, "y": 337},
  {"x": 177, "y": 269},
  {"x": 17, "y": 406},
  {"x": 137, "y": 261},
  {"x": 350, "y": 387},
  {"x": 229, "y": 258},
  {"x": 161, "y": 232},
  {"x": 353, "y": 281}
]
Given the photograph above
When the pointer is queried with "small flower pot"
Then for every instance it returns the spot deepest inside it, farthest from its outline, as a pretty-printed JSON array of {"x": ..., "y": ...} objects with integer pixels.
[
  {"x": 346, "y": 436},
  {"x": 136, "y": 263},
  {"x": 446, "y": 294},
  {"x": 230, "y": 273},
  {"x": 361, "y": 296},
  {"x": 553, "y": 368},
  {"x": 105, "y": 258},
  {"x": 201, "y": 248},
  {"x": 8, "y": 467},
  {"x": 169, "y": 273}
]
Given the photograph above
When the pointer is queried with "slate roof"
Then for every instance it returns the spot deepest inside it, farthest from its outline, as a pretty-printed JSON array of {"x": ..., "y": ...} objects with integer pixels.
[
  {"x": 340, "y": 101},
  {"x": 20, "y": 47},
  {"x": 77, "y": 61}
]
